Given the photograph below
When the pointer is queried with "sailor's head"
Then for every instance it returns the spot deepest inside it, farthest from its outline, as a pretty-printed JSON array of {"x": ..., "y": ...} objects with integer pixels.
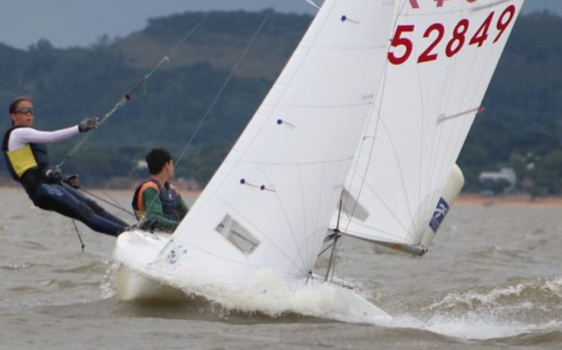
[
  {"x": 159, "y": 160},
  {"x": 21, "y": 111}
]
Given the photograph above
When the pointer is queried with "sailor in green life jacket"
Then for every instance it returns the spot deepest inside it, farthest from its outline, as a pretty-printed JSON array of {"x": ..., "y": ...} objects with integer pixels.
[
  {"x": 157, "y": 204},
  {"x": 25, "y": 151}
]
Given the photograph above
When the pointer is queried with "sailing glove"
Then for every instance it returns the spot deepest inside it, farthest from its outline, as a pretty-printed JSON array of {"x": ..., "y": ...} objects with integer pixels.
[
  {"x": 88, "y": 124},
  {"x": 72, "y": 180},
  {"x": 53, "y": 175}
]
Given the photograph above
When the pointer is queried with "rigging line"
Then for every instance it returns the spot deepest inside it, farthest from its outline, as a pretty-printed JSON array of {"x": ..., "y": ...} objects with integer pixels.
[
  {"x": 227, "y": 81},
  {"x": 129, "y": 95},
  {"x": 115, "y": 204},
  {"x": 337, "y": 248},
  {"x": 115, "y": 201},
  {"x": 305, "y": 54},
  {"x": 376, "y": 125},
  {"x": 313, "y": 4},
  {"x": 374, "y": 109},
  {"x": 82, "y": 245},
  {"x": 328, "y": 247},
  {"x": 332, "y": 263},
  {"x": 217, "y": 97}
]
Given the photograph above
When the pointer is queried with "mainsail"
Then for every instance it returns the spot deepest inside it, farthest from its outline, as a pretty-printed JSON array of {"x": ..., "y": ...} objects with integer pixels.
[
  {"x": 442, "y": 57},
  {"x": 269, "y": 204}
]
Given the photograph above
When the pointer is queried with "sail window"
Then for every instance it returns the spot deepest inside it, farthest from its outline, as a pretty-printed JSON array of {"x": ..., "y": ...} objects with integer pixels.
[
  {"x": 352, "y": 208},
  {"x": 237, "y": 235}
]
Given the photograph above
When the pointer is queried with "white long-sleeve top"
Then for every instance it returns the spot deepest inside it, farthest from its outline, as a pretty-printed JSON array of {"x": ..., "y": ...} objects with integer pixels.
[{"x": 21, "y": 137}]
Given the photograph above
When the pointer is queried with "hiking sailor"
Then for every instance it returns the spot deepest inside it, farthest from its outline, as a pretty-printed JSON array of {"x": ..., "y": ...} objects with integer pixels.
[{"x": 27, "y": 158}]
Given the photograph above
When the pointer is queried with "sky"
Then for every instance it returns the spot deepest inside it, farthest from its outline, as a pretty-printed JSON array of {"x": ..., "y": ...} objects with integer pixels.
[
  {"x": 68, "y": 23},
  {"x": 81, "y": 22}
]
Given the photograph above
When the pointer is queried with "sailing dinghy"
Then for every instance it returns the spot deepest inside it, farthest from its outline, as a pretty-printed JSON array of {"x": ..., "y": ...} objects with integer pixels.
[
  {"x": 268, "y": 207},
  {"x": 441, "y": 59}
]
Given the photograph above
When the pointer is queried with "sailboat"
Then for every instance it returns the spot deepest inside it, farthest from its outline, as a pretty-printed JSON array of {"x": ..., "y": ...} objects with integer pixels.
[
  {"x": 404, "y": 178},
  {"x": 268, "y": 207}
]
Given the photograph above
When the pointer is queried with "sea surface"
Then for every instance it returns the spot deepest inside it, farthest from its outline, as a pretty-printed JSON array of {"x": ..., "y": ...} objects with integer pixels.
[{"x": 492, "y": 280}]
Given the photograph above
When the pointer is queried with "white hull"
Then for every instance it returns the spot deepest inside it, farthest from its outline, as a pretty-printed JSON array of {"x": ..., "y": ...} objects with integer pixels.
[
  {"x": 135, "y": 287},
  {"x": 134, "y": 283},
  {"x": 130, "y": 282}
]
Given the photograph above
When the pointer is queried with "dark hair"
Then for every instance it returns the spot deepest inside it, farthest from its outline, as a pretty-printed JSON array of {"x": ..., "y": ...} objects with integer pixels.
[
  {"x": 156, "y": 159},
  {"x": 14, "y": 104}
]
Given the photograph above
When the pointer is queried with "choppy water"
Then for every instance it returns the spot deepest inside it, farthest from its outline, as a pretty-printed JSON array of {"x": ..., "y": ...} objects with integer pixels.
[{"x": 492, "y": 280}]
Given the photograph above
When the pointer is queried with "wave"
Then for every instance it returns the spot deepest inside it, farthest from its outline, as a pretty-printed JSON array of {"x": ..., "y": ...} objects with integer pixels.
[
  {"x": 541, "y": 295},
  {"x": 518, "y": 312}
]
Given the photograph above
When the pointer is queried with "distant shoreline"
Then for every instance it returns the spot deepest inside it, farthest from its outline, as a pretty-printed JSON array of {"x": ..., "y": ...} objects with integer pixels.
[
  {"x": 188, "y": 195},
  {"x": 509, "y": 201},
  {"x": 463, "y": 200}
]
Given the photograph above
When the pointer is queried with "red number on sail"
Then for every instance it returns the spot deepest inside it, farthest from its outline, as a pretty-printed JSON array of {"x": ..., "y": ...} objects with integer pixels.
[
  {"x": 440, "y": 2},
  {"x": 503, "y": 23},
  {"x": 414, "y": 4},
  {"x": 459, "y": 37},
  {"x": 427, "y": 56},
  {"x": 404, "y": 45},
  {"x": 481, "y": 34},
  {"x": 399, "y": 41}
]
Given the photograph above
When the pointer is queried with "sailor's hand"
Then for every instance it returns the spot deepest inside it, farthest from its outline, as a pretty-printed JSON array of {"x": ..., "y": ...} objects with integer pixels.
[
  {"x": 53, "y": 175},
  {"x": 72, "y": 180},
  {"x": 88, "y": 124}
]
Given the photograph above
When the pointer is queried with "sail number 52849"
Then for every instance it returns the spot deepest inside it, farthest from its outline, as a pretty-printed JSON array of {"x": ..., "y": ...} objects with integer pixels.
[{"x": 455, "y": 43}]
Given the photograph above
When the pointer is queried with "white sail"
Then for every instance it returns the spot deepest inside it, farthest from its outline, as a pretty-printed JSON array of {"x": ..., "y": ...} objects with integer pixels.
[
  {"x": 441, "y": 59},
  {"x": 270, "y": 203}
]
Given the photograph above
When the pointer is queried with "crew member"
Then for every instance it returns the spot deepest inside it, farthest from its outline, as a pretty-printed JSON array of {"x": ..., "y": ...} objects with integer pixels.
[
  {"x": 27, "y": 158},
  {"x": 157, "y": 203}
]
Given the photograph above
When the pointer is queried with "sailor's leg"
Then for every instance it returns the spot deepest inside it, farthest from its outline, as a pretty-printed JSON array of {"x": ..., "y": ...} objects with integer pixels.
[
  {"x": 99, "y": 210},
  {"x": 58, "y": 199}
]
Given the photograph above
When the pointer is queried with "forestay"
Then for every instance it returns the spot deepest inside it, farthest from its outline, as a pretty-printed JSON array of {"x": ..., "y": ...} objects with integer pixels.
[
  {"x": 269, "y": 205},
  {"x": 442, "y": 57}
]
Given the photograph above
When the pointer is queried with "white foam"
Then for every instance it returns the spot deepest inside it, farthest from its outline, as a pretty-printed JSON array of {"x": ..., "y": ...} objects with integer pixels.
[
  {"x": 500, "y": 312},
  {"x": 266, "y": 293},
  {"x": 474, "y": 326},
  {"x": 269, "y": 294}
]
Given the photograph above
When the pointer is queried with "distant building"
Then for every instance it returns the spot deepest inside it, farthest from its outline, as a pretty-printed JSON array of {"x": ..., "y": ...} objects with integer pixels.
[{"x": 507, "y": 174}]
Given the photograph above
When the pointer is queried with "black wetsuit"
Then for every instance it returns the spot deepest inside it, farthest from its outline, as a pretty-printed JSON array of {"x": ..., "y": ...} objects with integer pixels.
[{"x": 54, "y": 195}]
